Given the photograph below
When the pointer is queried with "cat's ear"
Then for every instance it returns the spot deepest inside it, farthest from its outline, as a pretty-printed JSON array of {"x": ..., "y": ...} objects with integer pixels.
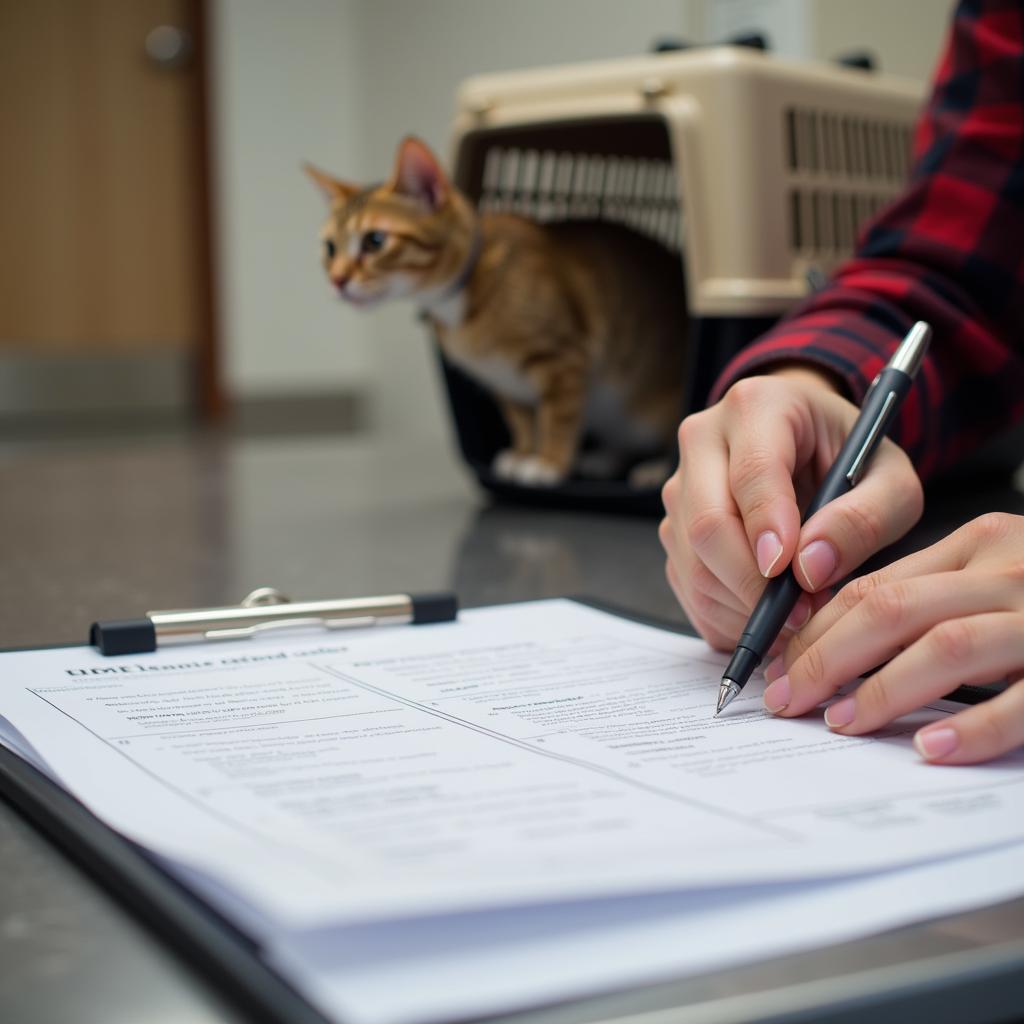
[
  {"x": 418, "y": 174},
  {"x": 331, "y": 187}
]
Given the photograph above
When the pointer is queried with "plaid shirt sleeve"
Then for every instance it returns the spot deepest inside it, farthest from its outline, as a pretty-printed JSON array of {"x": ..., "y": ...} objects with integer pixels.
[{"x": 949, "y": 251}]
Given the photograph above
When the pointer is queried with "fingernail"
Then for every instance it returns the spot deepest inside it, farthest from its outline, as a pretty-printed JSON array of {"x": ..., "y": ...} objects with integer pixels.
[
  {"x": 800, "y": 614},
  {"x": 774, "y": 669},
  {"x": 818, "y": 561},
  {"x": 841, "y": 713},
  {"x": 769, "y": 551},
  {"x": 935, "y": 743},
  {"x": 776, "y": 696}
]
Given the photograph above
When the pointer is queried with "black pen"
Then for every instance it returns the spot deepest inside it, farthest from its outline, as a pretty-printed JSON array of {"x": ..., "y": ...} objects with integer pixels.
[{"x": 881, "y": 402}]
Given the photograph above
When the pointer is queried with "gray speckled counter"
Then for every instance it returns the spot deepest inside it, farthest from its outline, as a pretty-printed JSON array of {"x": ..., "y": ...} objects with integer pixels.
[{"x": 92, "y": 532}]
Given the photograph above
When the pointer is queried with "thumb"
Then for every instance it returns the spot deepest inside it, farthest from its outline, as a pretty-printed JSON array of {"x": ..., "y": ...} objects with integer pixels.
[{"x": 879, "y": 510}]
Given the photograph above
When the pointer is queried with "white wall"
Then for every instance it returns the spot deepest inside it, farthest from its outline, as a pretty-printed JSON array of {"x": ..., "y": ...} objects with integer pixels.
[
  {"x": 285, "y": 89},
  {"x": 341, "y": 81},
  {"x": 904, "y": 35}
]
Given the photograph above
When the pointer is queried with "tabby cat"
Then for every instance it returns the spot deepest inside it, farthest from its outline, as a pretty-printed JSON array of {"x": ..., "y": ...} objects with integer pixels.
[{"x": 574, "y": 327}]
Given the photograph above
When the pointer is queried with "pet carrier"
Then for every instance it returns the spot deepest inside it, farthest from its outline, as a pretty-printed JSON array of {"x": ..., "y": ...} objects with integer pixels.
[{"x": 756, "y": 170}]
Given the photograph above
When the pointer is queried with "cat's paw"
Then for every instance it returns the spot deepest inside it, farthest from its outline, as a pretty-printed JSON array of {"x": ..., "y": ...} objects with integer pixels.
[
  {"x": 528, "y": 470},
  {"x": 533, "y": 471},
  {"x": 505, "y": 463}
]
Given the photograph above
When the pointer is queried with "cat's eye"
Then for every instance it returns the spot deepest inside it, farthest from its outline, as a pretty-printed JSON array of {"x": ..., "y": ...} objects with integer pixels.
[
  {"x": 330, "y": 248},
  {"x": 373, "y": 241}
]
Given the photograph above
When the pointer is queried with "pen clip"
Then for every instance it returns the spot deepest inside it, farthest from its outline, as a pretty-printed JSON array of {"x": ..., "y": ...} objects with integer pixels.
[{"x": 860, "y": 462}]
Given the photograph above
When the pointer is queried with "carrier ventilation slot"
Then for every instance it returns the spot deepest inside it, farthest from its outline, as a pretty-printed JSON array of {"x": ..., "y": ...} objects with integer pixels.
[
  {"x": 829, "y": 144},
  {"x": 825, "y": 222},
  {"x": 547, "y": 185}
]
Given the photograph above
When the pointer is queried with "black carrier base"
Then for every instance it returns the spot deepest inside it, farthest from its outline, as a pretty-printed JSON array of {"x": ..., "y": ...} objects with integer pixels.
[{"x": 481, "y": 432}]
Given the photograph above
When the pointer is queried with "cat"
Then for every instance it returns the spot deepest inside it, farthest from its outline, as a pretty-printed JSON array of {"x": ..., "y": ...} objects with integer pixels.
[{"x": 575, "y": 327}]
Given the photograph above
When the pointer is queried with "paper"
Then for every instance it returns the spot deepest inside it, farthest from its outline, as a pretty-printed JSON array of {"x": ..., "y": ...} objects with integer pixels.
[
  {"x": 532, "y": 804},
  {"x": 525, "y": 754},
  {"x": 482, "y": 964}
]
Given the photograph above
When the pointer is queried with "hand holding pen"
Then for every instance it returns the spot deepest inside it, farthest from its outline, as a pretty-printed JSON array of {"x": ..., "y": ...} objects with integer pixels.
[
  {"x": 776, "y": 603},
  {"x": 747, "y": 466}
]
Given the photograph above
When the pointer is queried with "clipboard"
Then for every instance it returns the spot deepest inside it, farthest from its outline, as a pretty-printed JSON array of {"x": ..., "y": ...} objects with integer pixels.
[{"x": 188, "y": 927}]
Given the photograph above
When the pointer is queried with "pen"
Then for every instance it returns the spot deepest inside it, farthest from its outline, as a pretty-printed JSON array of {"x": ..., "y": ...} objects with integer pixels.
[
  {"x": 264, "y": 611},
  {"x": 880, "y": 404}
]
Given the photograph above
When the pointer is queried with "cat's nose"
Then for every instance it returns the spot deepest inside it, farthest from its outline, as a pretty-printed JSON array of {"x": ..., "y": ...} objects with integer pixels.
[{"x": 340, "y": 280}]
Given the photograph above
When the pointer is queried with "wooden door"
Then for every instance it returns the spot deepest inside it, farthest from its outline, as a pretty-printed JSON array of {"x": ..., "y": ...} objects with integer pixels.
[{"x": 104, "y": 250}]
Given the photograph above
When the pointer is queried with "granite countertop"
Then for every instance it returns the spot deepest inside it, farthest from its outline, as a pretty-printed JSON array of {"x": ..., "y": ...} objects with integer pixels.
[{"x": 90, "y": 531}]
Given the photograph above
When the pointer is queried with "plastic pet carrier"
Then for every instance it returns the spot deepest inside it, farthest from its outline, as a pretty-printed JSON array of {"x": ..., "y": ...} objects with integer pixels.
[{"x": 757, "y": 170}]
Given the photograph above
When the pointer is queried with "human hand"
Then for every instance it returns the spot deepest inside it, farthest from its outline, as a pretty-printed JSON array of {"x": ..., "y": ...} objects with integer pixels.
[
  {"x": 747, "y": 466},
  {"x": 948, "y": 615}
]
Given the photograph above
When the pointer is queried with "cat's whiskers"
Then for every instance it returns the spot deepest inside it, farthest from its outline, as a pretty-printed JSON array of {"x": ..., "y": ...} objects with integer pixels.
[{"x": 394, "y": 286}]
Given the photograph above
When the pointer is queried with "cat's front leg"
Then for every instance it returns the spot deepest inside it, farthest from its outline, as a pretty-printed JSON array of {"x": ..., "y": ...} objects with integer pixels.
[
  {"x": 559, "y": 423},
  {"x": 521, "y": 421}
]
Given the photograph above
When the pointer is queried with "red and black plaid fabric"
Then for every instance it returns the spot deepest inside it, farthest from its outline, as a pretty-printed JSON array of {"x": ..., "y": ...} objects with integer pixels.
[{"x": 949, "y": 251}]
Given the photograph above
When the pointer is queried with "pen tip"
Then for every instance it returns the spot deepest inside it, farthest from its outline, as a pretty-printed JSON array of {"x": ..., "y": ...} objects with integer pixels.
[{"x": 727, "y": 692}]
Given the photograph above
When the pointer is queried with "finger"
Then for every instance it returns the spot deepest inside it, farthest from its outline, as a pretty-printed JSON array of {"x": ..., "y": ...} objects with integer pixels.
[
  {"x": 673, "y": 581},
  {"x": 984, "y": 731},
  {"x": 890, "y": 618},
  {"x": 949, "y": 554},
  {"x": 976, "y": 649},
  {"x": 688, "y": 565},
  {"x": 719, "y": 622},
  {"x": 878, "y": 511},
  {"x": 807, "y": 605},
  {"x": 715, "y": 623},
  {"x": 697, "y": 587},
  {"x": 692, "y": 574},
  {"x": 706, "y": 518},
  {"x": 765, "y": 450},
  {"x": 698, "y": 579}
]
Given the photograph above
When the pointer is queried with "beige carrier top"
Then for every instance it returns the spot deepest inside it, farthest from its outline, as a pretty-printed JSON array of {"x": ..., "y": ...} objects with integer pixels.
[{"x": 758, "y": 168}]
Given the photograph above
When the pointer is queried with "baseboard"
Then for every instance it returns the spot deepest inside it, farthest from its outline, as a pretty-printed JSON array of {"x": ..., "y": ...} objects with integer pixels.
[
  {"x": 73, "y": 385},
  {"x": 130, "y": 397}
]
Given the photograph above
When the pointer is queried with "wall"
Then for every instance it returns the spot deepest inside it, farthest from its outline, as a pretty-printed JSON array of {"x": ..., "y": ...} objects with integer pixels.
[
  {"x": 904, "y": 35},
  {"x": 285, "y": 89},
  {"x": 907, "y": 44}
]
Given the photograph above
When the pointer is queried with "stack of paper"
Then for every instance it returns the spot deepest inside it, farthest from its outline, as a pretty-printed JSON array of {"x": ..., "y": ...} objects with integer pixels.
[{"x": 529, "y": 804}]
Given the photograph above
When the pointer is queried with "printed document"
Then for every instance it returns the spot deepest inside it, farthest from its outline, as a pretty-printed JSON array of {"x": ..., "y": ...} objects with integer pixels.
[{"x": 522, "y": 755}]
